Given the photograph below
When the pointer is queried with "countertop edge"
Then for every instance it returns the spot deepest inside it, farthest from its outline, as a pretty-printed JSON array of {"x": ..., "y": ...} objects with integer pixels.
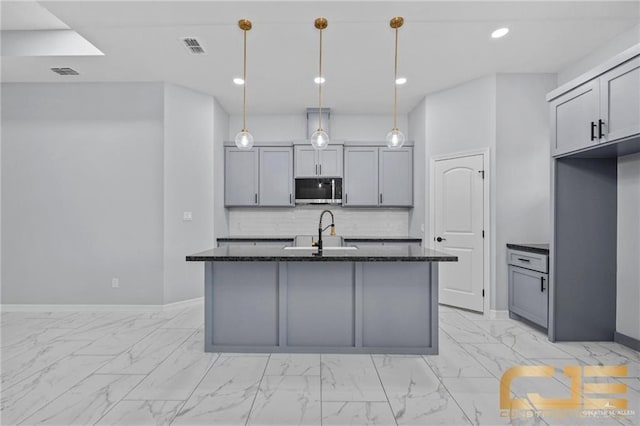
[
  {"x": 320, "y": 259},
  {"x": 527, "y": 248}
]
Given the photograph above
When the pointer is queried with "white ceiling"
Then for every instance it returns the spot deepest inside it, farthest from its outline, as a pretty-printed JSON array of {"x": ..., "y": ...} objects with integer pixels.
[{"x": 442, "y": 44}]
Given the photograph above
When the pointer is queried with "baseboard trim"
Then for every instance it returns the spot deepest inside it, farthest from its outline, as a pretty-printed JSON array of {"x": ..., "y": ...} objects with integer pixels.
[
  {"x": 625, "y": 340},
  {"x": 99, "y": 308},
  {"x": 499, "y": 315}
]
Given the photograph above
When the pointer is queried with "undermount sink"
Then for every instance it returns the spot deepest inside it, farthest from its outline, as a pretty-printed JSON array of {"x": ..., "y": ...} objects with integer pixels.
[{"x": 323, "y": 249}]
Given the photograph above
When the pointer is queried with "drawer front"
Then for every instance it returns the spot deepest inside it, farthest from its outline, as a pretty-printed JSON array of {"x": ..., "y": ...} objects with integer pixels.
[{"x": 524, "y": 259}]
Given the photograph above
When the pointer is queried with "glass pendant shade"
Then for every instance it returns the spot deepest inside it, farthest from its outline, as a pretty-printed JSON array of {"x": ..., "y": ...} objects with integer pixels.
[
  {"x": 319, "y": 139},
  {"x": 244, "y": 140},
  {"x": 395, "y": 139}
]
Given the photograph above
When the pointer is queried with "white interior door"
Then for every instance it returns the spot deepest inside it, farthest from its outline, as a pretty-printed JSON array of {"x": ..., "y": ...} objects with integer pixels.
[{"x": 458, "y": 226}]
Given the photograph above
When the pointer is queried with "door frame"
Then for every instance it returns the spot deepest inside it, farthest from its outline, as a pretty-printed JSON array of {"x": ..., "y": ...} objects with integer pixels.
[{"x": 486, "y": 211}]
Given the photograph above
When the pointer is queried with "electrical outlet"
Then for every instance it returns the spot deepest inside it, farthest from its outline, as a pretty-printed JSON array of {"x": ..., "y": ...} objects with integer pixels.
[
  {"x": 187, "y": 216},
  {"x": 115, "y": 282}
]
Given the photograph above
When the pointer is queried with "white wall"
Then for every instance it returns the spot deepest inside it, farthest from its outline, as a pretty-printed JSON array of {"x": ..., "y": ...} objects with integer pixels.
[
  {"x": 220, "y": 133},
  {"x": 628, "y": 273},
  {"x": 523, "y": 162},
  {"x": 82, "y": 198},
  {"x": 188, "y": 187},
  {"x": 417, "y": 133},
  {"x": 603, "y": 53},
  {"x": 304, "y": 220}
]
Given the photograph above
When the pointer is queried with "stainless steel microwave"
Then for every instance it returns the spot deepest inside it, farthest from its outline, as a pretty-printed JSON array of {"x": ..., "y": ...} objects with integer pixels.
[{"x": 319, "y": 191}]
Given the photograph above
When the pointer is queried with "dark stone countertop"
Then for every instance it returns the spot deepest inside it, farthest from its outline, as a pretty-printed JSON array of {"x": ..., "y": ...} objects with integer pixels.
[
  {"x": 366, "y": 254},
  {"x": 345, "y": 238},
  {"x": 530, "y": 247}
]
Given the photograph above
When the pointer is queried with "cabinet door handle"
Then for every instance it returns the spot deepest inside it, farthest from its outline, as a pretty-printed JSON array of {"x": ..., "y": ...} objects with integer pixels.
[
  {"x": 320, "y": 170},
  {"x": 542, "y": 284},
  {"x": 346, "y": 198},
  {"x": 316, "y": 170},
  {"x": 289, "y": 198},
  {"x": 380, "y": 198},
  {"x": 256, "y": 198},
  {"x": 524, "y": 260},
  {"x": 600, "y": 126},
  {"x": 593, "y": 131}
]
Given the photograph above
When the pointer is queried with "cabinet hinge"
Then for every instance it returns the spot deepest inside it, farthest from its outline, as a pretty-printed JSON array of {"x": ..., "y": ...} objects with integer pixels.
[
  {"x": 481, "y": 173},
  {"x": 483, "y": 292}
]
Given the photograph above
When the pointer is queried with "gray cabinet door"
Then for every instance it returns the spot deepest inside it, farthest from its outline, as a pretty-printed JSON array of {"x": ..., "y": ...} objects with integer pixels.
[
  {"x": 276, "y": 176},
  {"x": 620, "y": 101},
  {"x": 396, "y": 177},
  {"x": 306, "y": 161},
  {"x": 241, "y": 177},
  {"x": 360, "y": 176},
  {"x": 529, "y": 294},
  {"x": 574, "y": 119},
  {"x": 330, "y": 161}
]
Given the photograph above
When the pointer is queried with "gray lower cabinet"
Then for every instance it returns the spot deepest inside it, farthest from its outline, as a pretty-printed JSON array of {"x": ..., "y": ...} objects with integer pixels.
[
  {"x": 375, "y": 176},
  {"x": 258, "y": 177},
  {"x": 360, "y": 187},
  {"x": 240, "y": 177},
  {"x": 529, "y": 288}
]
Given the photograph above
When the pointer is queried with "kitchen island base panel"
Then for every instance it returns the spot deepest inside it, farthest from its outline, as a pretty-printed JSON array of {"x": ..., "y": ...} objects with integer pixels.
[{"x": 327, "y": 307}]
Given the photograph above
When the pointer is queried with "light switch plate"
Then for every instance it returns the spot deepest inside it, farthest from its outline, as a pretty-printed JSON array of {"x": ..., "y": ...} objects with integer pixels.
[{"x": 187, "y": 216}]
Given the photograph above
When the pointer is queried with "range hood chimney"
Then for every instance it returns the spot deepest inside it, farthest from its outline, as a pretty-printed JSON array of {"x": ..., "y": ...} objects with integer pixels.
[{"x": 313, "y": 116}]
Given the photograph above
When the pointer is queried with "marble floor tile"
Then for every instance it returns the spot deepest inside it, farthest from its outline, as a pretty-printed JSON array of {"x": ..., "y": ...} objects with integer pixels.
[
  {"x": 350, "y": 378},
  {"x": 479, "y": 398},
  {"x": 31, "y": 343},
  {"x": 416, "y": 395},
  {"x": 454, "y": 361},
  {"x": 178, "y": 375},
  {"x": 357, "y": 413},
  {"x": 19, "y": 368},
  {"x": 86, "y": 402},
  {"x": 533, "y": 345},
  {"x": 495, "y": 357},
  {"x": 287, "y": 400},
  {"x": 139, "y": 413},
  {"x": 471, "y": 315},
  {"x": 16, "y": 332},
  {"x": 26, "y": 397},
  {"x": 625, "y": 351},
  {"x": 78, "y": 320},
  {"x": 121, "y": 338},
  {"x": 293, "y": 365},
  {"x": 148, "y": 353},
  {"x": 190, "y": 318},
  {"x": 102, "y": 326},
  {"x": 583, "y": 349},
  {"x": 226, "y": 393},
  {"x": 463, "y": 330}
]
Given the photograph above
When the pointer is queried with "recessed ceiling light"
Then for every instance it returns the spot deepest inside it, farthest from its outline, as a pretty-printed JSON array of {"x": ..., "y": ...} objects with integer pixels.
[
  {"x": 500, "y": 32},
  {"x": 401, "y": 80},
  {"x": 238, "y": 81},
  {"x": 319, "y": 80}
]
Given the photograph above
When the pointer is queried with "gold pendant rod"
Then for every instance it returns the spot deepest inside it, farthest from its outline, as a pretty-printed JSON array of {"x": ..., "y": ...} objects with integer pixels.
[{"x": 320, "y": 24}]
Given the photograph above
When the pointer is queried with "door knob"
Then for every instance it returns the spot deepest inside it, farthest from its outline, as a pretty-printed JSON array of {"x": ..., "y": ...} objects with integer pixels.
[{"x": 440, "y": 239}]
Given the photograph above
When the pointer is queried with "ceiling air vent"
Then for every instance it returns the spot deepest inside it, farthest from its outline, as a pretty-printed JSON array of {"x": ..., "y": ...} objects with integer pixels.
[
  {"x": 193, "y": 45},
  {"x": 65, "y": 71}
]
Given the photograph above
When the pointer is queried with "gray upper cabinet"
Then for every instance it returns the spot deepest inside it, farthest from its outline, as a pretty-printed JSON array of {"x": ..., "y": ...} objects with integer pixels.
[
  {"x": 620, "y": 101},
  {"x": 603, "y": 109},
  {"x": 330, "y": 161},
  {"x": 258, "y": 177},
  {"x": 241, "y": 177},
  {"x": 395, "y": 177},
  {"x": 276, "y": 176},
  {"x": 360, "y": 176},
  {"x": 310, "y": 162},
  {"x": 306, "y": 164},
  {"x": 574, "y": 119}
]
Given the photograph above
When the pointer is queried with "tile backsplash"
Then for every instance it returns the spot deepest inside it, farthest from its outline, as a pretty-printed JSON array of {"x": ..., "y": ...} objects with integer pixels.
[{"x": 303, "y": 220}]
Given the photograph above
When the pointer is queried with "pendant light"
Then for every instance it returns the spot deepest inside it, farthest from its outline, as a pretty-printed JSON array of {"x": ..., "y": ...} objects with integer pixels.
[
  {"x": 320, "y": 138},
  {"x": 244, "y": 139},
  {"x": 395, "y": 138}
]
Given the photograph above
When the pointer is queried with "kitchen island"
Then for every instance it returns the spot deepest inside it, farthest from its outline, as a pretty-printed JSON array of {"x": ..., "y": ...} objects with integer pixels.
[{"x": 347, "y": 300}]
